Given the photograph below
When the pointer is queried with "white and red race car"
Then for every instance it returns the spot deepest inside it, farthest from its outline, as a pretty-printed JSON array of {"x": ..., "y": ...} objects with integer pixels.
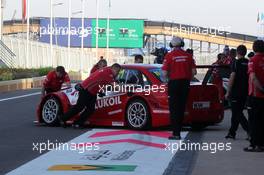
[{"x": 138, "y": 109}]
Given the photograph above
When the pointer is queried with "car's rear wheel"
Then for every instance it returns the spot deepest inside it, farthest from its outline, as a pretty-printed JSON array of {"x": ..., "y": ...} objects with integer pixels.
[
  {"x": 137, "y": 115},
  {"x": 50, "y": 111}
]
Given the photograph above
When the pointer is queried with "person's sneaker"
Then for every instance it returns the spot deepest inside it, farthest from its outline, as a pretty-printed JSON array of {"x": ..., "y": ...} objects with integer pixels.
[
  {"x": 173, "y": 137},
  {"x": 230, "y": 136}
]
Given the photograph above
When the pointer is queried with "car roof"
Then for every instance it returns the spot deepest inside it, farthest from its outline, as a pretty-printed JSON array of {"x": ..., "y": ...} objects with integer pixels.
[{"x": 141, "y": 66}]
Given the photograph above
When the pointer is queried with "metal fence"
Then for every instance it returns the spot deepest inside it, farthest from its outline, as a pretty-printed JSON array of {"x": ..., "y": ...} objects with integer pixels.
[
  {"x": 39, "y": 55},
  {"x": 7, "y": 57}
]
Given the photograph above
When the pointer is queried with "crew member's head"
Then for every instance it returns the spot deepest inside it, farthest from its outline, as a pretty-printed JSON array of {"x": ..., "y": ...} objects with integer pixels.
[
  {"x": 241, "y": 51},
  {"x": 190, "y": 51},
  {"x": 116, "y": 68},
  {"x": 176, "y": 42},
  {"x": 250, "y": 55},
  {"x": 60, "y": 71},
  {"x": 226, "y": 50},
  {"x": 258, "y": 46},
  {"x": 220, "y": 56},
  {"x": 101, "y": 63},
  {"x": 233, "y": 53},
  {"x": 139, "y": 59}
]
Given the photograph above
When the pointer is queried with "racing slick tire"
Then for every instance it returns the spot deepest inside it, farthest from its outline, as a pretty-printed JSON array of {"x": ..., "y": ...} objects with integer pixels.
[
  {"x": 138, "y": 115},
  {"x": 50, "y": 111}
]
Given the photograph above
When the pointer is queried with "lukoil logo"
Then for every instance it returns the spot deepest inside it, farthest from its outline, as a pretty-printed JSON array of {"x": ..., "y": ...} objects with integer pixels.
[{"x": 108, "y": 102}]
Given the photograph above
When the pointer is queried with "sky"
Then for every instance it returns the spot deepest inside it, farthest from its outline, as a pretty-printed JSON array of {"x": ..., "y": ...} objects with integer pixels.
[{"x": 239, "y": 16}]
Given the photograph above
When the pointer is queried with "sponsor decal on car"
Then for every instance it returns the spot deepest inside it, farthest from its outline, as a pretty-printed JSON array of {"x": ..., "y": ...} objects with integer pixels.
[
  {"x": 72, "y": 95},
  {"x": 108, "y": 102},
  {"x": 118, "y": 124},
  {"x": 160, "y": 111},
  {"x": 115, "y": 112}
]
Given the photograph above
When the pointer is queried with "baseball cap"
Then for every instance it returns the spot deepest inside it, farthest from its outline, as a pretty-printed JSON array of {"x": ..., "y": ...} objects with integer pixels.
[
  {"x": 176, "y": 41},
  {"x": 226, "y": 48}
]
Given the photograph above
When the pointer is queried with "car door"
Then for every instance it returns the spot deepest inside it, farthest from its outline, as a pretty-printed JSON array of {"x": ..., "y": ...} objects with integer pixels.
[{"x": 110, "y": 107}]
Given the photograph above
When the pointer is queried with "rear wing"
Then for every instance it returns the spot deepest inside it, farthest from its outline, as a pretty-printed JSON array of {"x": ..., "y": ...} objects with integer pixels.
[{"x": 224, "y": 71}]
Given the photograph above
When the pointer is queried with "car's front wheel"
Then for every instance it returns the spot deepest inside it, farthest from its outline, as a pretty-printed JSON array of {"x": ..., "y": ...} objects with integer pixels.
[
  {"x": 50, "y": 111},
  {"x": 137, "y": 114}
]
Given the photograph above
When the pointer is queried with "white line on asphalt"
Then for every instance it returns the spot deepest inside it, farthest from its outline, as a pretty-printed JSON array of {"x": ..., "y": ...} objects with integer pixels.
[{"x": 21, "y": 96}]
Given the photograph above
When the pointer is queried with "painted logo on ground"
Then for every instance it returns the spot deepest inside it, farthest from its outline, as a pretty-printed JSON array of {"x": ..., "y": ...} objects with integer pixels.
[
  {"x": 126, "y": 168},
  {"x": 106, "y": 154}
]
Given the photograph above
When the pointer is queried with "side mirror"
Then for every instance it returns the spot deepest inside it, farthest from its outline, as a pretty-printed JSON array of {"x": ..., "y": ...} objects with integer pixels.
[{"x": 101, "y": 94}]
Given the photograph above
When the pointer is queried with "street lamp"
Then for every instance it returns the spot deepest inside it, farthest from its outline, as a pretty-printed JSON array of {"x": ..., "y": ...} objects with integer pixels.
[
  {"x": 69, "y": 34},
  {"x": 97, "y": 25},
  {"x": 28, "y": 17},
  {"x": 108, "y": 29},
  {"x": 82, "y": 51},
  {"x": 51, "y": 27},
  {"x": 82, "y": 33},
  {"x": 2, "y": 6},
  {"x": 76, "y": 13},
  {"x": 54, "y": 21}
]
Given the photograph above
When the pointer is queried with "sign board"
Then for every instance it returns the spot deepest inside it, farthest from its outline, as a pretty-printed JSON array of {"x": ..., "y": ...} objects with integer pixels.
[{"x": 122, "y": 33}]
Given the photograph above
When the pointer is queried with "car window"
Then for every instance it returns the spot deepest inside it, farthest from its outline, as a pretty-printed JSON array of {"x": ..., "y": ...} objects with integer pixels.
[
  {"x": 134, "y": 77},
  {"x": 121, "y": 77},
  {"x": 157, "y": 72},
  {"x": 131, "y": 76}
]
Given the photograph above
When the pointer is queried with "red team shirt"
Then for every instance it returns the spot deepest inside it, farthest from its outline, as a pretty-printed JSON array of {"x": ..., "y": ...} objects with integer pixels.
[
  {"x": 228, "y": 60},
  {"x": 98, "y": 79},
  {"x": 53, "y": 82},
  {"x": 184, "y": 63},
  {"x": 256, "y": 65},
  {"x": 95, "y": 68}
]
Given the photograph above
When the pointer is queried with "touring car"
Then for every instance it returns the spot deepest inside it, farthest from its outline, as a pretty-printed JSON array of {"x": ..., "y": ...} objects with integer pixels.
[{"x": 136, "y": 106}]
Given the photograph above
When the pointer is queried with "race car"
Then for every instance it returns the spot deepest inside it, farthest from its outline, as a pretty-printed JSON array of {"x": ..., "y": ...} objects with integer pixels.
[{"x": 139, "y": 102}]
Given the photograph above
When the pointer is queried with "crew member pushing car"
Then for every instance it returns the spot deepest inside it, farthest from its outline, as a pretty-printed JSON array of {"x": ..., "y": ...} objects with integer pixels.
[
  {"x": 101, "y": 64},
  {"x": 88, "y": 91},
  {"x": 179, "y": 67},
  {"x": 54, "y": 80}
]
